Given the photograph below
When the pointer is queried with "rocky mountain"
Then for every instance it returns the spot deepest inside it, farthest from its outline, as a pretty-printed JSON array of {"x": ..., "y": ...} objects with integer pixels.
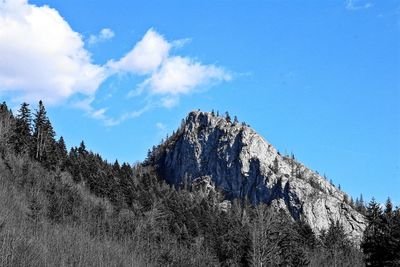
[{"x": 234, "y": 158}]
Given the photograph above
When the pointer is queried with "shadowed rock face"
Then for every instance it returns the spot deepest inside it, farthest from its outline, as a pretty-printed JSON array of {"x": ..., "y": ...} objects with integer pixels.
[{"x": 243, "y": 164}]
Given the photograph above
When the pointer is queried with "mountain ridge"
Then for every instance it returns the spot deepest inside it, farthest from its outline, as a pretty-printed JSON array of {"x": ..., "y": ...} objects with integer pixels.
[{"x": 244, "y": 165}]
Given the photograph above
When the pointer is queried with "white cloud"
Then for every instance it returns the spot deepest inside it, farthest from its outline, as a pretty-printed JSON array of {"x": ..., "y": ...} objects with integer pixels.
[
  {"x": 167, "y": 75},
  {"x": 41, "y": 57},
  {"x": 146, "y": 56},
  {"x": 105, "y": 34},
  {"x": 357, "y": 4},
  {"x": 180, "y": 75}
]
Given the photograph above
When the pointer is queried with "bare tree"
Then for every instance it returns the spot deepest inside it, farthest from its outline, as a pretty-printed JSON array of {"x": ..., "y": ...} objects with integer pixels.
[{"x": 266, "y": 237}]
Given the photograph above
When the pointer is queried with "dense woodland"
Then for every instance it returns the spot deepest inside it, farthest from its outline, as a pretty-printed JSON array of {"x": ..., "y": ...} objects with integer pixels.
[{"x": 72, "y": 208}]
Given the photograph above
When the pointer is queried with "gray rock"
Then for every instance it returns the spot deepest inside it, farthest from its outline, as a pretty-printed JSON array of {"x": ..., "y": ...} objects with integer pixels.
[
  {"x": 244, "y": 164},
  {"x": 203, "y": 185}
]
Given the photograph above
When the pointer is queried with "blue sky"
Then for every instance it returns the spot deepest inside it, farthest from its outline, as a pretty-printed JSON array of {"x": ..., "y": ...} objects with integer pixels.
[{"x": 320, "y": 79}]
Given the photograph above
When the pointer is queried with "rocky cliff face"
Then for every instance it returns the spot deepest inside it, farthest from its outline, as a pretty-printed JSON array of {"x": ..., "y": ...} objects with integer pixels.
[{"x": 243, "y": 164}]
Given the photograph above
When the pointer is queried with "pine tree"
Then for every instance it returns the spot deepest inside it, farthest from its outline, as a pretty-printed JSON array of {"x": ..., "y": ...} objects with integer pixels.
[
  {"x": 373, "y": 236},
  {"x": 388, "y": 209},
  {"x": 235, "y": 120},
  {"x": 390, "y": 238},
  {"x": 7, "y": 125},
  {"x": 346, "y": 199},
  {"x": 149, "y": 156},
  {"x": 114, "y": 183},
  {"x": 395, "y": 240},
  {"x": 82, "y": 149},
  {"x": 44, "y": 149},
  {"x": 116, "y": 167},
  {"x": 39, "y": 132},
  {"x": 336, "y": 244},
  {"x": 360, "y": 205},
  {"x": 22, "y": 138},
  {"x": 72, "y": 164},
  {"x": 127, "y": 183},
  {"x": 62, "y": 153},
  {"x": 227, "y": 117}
]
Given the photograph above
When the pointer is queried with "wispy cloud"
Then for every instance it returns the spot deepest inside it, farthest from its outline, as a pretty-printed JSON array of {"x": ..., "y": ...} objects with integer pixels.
[
  {"x": 101, "y": 113},
  {"x": 126, "y": 116},
  {"x": 161, "y": 126},
  {"x": 104, "y": 35},
  {"x": 358, "y": 4},
  {"x": 181, "y": 42}
]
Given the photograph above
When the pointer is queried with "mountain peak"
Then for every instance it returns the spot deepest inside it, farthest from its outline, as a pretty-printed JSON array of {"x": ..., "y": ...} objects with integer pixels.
[
  {"x": 211, "y": 119},
  {"x": 244, "y": 165}
]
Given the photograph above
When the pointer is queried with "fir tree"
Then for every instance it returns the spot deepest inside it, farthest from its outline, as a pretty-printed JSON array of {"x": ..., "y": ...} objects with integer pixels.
[
  {"x": 62, "y": 153},
  {"x": 388, "y": 208},
  {"x": 45, "y": 145},
  {"x": 82, "y": 149},
  {"x": 360, "y": 205},
  {"x": 22, "y": 138},
  {"x": 373, "y": 238},
  {"x": 7, "y": 124},
  {"x": 235, "y": 120},
  {"x": 390, "y": 236},
  {"x": 395, "y": 237},
  {"x": 127, "y": 183},
  {"x": 336, "y": 243},
  {"x": 227, "y": 117}
]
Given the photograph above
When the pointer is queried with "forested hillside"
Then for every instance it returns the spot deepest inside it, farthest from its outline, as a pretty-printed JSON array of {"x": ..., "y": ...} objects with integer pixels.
[{"x": 72, "y": 208}]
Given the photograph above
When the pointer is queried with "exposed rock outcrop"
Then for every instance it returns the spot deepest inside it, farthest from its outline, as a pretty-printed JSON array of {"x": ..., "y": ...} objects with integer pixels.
[{"x": 243, "y": 164}]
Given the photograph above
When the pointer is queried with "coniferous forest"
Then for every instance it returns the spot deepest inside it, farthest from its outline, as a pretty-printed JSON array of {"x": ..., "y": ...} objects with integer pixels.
[{"x": 73, "y": 208}]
